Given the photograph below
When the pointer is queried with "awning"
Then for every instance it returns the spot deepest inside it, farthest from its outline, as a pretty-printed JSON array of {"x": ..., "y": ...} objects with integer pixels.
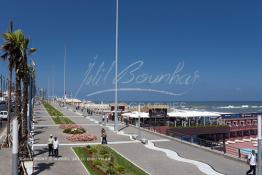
[
  {"x": 191, "y": 113},
  {"x": 135, "y": 114}
]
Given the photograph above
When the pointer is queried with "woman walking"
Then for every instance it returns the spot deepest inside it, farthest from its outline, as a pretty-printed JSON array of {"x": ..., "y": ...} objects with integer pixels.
[{"x": 103, "y": 135}]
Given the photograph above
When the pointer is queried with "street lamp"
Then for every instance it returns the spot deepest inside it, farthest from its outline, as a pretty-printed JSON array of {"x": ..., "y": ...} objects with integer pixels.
[{"x": 116, "y": 72}]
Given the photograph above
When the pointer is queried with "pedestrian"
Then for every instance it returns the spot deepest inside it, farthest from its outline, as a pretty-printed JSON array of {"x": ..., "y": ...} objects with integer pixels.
[
  {"x": 106, "y": 118},
  {"x": 50, "y": 145},
  {"x": 252, "y": 162},
  {"x": 103, "y": 118},
  {"x": 104, "y": 136},
  {"x": 55, "y": 147}
]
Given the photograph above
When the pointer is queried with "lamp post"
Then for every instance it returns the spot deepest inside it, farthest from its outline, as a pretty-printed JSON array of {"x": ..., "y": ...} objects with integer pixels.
[
  {"x": 64, "y": 77},
  {"x": 30, "y": 99},
  {"x": 1, "y": 76},
  {"x": 15, "y": 147},
  {"x": 139, "y": 116},
  {"x": 116, "y": 71}
]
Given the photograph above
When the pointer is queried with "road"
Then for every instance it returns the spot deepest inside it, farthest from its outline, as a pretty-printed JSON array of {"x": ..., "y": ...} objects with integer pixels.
[{"x": 3, "y": 107}]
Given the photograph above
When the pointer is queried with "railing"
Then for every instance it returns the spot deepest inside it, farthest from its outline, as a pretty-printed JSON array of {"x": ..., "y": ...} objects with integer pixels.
[
  {"x": 218, "y": 146},
  {"x": 246, "y": 127}
]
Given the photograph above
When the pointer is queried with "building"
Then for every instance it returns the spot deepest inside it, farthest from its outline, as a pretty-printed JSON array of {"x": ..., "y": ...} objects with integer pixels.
[{"x": 241, "y": 124}]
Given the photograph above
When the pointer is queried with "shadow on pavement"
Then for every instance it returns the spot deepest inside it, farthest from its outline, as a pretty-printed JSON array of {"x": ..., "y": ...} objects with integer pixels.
[
  {"x": 123, "y": 128},
  {"x": 40, "y": 151},
  {"x": 42, "y": 167},
  {"x": 38, "y": 132}
]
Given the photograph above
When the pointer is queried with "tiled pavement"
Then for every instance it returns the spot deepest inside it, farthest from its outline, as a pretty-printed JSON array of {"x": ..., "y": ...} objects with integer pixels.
[{"x": 154, "y": 162}]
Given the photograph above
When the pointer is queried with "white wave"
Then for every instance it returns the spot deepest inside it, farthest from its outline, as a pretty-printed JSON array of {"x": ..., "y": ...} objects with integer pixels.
[{"x": 234, "y": 107}]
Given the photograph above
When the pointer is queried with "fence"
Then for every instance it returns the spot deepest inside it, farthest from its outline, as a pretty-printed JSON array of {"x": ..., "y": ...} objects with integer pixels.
[{"x": 218, "y": 146}]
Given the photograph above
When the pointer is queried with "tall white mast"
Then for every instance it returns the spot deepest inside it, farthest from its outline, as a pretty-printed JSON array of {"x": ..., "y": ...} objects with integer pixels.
[
  {"x": 64, "y": 74},
  {"x": 116, "y": 71}
]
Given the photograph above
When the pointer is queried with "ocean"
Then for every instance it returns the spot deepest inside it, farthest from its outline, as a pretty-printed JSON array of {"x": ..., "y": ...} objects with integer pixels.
[{"x": 214, "y": 106}]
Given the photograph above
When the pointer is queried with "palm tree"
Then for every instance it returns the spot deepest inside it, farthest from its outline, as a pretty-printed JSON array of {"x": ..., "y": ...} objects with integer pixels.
[
  {"x": 25, "y": 78},
  {"x": 10, "y": 53}
]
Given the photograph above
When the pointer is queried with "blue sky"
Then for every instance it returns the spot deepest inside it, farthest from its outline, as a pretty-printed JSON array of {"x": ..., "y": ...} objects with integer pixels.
[{"x": 221, "y": 40}]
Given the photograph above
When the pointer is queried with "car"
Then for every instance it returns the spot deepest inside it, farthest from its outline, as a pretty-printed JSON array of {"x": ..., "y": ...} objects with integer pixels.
[{"x": 3, "y": 115}]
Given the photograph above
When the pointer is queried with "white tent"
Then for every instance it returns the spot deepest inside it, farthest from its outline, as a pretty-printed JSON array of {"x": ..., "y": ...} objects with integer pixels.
[
  {"x": 191, "y": 113},
  {"x": 135, "y": 114}
]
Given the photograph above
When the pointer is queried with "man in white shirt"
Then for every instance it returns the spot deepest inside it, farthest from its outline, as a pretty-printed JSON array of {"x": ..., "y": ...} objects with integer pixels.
[
  {"x": 252, "y": 160},
  {"x": 50, "y": 145},
  {"x": 55, "y": 147}
]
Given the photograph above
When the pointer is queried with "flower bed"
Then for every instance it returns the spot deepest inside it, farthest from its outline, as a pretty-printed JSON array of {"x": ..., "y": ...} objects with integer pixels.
[
  {"x": 74, "y": 130},
  {"x": 101, "y": 160},
  {"x": 67, "y": 126},
  {"x": 81, "y": 137},
  {"x": 57, "y": 116}
]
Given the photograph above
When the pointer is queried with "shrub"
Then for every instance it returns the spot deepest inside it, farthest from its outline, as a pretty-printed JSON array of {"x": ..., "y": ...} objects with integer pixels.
[
  {"x": 67, "y": 130},
  {"x": 103, "y": 151},
  {"x": 97, "y": 162},
  {"x": 74, "y": 131},
  {"x": 111, "y": 171},
  {"x": 120, "y": 169}
]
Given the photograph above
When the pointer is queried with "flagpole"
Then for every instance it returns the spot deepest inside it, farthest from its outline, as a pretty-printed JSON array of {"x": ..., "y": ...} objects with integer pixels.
[
  {"x": 116, "y": 72},
  {"x": 64, "y": 76}
]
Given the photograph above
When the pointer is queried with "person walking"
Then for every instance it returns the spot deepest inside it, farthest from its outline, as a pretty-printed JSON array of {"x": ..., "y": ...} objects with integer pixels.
[
  {"x": 106, "y": 118},
  {"x": 55, "y": 147},
  {"x": 252, "y": 163},
  {"x": 104, "y": 136},
  {"x": 103, "y": 119},
  {"x": 50, "y": 145},
  {"x": 127, "y": 122}
]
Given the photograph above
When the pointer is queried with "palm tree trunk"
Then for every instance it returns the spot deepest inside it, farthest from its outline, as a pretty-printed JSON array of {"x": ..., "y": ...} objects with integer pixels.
[
  {"x": 25, "y": 108},
  {"x": 9, "y": 103},
  {"x": 18, "y": 103}
]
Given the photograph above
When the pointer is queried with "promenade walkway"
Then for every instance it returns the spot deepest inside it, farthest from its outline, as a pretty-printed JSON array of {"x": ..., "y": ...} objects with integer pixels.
[
  {"x": 5, "y": 162},
  {"x": 67, "y": 163},
  {"x": 190, "y": 160}
]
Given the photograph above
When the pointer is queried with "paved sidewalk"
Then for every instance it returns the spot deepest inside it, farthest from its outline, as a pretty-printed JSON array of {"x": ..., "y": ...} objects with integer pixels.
[
  {"x": 5, "y": 162},
  {"x": 147, "y": 159},
  {"x": 153, "y": 162},
  {"x": 220, "y": 163},
  {"x": 67, "y": 163}
]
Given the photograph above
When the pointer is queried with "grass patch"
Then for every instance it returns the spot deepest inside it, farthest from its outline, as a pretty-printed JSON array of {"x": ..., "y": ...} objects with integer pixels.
[
  {"x": 56, "y": 115},
  {"x": 101, "y": 159}
]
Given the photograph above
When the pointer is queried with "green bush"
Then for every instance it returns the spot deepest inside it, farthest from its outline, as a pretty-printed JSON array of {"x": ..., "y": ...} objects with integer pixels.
[
  {"x": 97, "y": 162},
  {"x": 106, "y": 156},
  {"x": 120, "y": 169},
  {"x": 74, "y": 131},
  {"x": 103, "y": 151},
  {"x": 111, "y": 171},
  {"x": 117, "y": 165},
  {"x": 57, "y": 116},
  {"x": 67, "y": 130}
]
